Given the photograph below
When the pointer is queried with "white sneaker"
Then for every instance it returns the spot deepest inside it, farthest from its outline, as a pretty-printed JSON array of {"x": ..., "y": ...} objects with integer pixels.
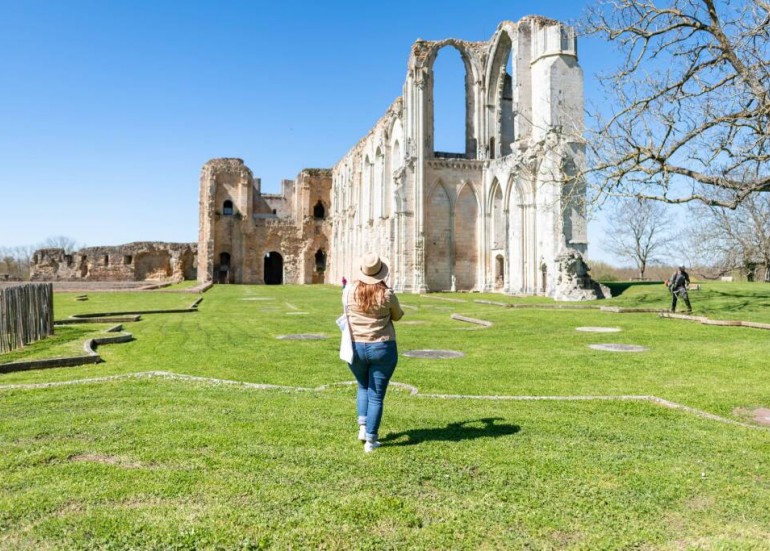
[
  {"x": 362, "y": 433},
  {"x": 371, "y": 446}
]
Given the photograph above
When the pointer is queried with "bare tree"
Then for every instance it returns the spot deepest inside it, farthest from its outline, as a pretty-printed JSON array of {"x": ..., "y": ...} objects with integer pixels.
[
  {"x": 690, "y": 100},
  {"x": 61, "y": 242},
  {"x": 15, "y": 261},
  {"x": 727, "y": 240},
  {"x": 641, "y": 232}
]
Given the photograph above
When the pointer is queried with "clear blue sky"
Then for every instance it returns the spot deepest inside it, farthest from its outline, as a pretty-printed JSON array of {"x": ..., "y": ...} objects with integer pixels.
[{"x": 110, "y": 108}]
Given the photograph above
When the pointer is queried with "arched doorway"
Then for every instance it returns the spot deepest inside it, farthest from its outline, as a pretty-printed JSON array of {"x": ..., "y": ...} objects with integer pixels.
[
  {"x": 499, "y": 271},
  {"x": 273, "y": 268},
  {"x": 320, "y": 266},
  {"x": 223, "y": 270},
  {"x": 319, "y": 212}
]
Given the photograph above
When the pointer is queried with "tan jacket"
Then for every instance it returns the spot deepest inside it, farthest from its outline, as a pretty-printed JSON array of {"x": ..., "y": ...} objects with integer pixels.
[{"x": 373, "y": 326}]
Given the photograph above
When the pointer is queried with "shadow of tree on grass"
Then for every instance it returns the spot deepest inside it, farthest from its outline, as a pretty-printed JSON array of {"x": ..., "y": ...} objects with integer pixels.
[{"x": 453, "y": 432}]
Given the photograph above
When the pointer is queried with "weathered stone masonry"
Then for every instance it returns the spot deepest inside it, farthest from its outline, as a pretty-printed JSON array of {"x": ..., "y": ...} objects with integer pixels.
[
  {"x": 248, "y": 237},
  {"x": 506, "y": 213},
  {"x": 141, "y": 261},
  {"x": 496, "y": 216},
  {"x": 501, "y": 215}
]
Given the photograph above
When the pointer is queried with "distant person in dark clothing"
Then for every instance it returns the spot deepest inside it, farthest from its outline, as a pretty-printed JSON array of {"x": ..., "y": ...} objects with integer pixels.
[{"x": 678, "y": 285}]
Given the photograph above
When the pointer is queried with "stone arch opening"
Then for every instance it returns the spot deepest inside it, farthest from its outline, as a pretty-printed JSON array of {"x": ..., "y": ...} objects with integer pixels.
[
  {"x": 499, "y": 271},
  {"x": 273, "y": 268},
  {"x": 227, "y": 208},
  {"x": 319, "y": 212},
  {"x": 501, "y": 97},
  {"x": 449, "y": 103},
  {"x": 223, "y": 269},
  {"x": 320, "y": 261}
]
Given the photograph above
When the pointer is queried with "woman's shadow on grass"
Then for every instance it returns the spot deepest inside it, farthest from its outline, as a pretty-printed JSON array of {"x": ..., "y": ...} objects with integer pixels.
[{"x": 453, "y": 432}]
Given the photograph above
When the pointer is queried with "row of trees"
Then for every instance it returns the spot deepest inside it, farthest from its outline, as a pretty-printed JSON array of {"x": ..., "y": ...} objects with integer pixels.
[
  {"x": 15, "y": 261},
  {"x": 685, "y": 120},
  {"x": 716, "y": 240}
]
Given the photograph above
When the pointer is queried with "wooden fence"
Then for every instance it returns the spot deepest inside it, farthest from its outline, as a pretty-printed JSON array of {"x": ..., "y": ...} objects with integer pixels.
[{"x": 26, "y": 314}]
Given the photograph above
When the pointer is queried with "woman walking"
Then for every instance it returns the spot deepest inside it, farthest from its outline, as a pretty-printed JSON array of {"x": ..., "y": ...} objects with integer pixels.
[{"x": 372, "y": 308}]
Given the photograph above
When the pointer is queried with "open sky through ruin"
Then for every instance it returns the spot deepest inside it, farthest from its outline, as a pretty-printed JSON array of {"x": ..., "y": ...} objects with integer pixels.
[{"x": 109, "y": 109}]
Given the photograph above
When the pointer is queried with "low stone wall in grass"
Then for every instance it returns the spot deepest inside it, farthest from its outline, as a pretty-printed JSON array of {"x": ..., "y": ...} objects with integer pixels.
[{"x": 26, "y": 314}]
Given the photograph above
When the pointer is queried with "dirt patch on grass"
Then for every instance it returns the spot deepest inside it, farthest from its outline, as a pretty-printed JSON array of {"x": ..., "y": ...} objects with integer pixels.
[
  {"x": 105, "y": 459},
  {"x": 758, "y": 415}
]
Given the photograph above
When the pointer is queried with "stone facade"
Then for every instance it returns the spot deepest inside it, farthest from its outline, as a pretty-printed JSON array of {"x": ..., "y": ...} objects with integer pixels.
[
  {"x": 499, "y": 215},
  {"x": 247, "y": 237},
  {"x": 495, "y": 216},
  {"x": 142, "y": 261}
]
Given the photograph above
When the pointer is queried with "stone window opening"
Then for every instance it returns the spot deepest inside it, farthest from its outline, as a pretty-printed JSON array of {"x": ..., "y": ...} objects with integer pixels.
[
  {"x": 450, "y": 104},
  {"x": 227, "y": 208},
  {"x": 319, "y": 212},
  {"x": 275, "y": 211},
  {"x": 128, "y": 259},
  {"x": 68, "y": 260},
  {"x": 502, "y": 97},
  {"x": 106, "y": 260},
  {"x": 320, "y": 261}
]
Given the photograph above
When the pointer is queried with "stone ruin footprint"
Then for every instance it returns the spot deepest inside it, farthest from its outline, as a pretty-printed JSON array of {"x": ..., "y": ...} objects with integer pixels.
[
  {"x": 614, "y": 347},
  {"x": 598, "y": 329}
]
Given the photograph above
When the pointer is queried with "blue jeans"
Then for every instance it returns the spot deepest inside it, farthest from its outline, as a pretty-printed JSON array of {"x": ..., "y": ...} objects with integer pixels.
[{"x": 373, "y": 366}]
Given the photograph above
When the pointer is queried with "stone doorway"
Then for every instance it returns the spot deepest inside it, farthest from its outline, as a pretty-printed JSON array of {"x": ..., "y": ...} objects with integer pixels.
[
  {"x": 273, "y": 268},
  {"x": 499, "y": 271},
  {"x": 223, "y": 269}
]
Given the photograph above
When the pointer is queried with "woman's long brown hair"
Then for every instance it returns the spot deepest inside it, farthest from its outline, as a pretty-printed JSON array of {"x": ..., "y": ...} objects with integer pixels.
[{"x": 370, "y": 297}]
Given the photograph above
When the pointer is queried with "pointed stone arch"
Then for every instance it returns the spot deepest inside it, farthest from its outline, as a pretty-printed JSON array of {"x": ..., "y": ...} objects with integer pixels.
[
  {"x": 379, "y": 188},
  {"x": 438, "y": 239},
  {"x": 466, "y": 241},
  {"x": 423, "y": 57},
  {"x": 500, "y": 94},
  {"x": 495, "y": 207}
]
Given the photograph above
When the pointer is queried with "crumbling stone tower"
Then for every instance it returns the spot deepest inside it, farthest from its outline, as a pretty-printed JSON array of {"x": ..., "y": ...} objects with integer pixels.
[{"x": 247, "y": 237}]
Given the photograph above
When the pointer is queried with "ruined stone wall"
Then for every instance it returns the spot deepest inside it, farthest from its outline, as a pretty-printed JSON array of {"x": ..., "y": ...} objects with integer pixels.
[
  {"x": 141, "y": 261},
  {"x": 498, "y": 215},
  {"x": 275, "y": 238},
  {"x": 495, "y": 216}
]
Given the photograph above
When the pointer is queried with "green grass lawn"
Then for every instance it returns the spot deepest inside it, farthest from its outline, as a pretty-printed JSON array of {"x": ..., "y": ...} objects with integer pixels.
[{"x": 178, "y": 464}]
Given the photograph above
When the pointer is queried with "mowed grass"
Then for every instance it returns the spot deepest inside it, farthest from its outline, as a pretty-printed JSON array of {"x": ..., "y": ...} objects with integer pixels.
[{"x": 156, "y": 463}]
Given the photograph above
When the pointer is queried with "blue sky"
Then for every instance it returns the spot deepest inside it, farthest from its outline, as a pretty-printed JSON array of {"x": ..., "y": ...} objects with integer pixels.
[{"x": 108, "y": 109}]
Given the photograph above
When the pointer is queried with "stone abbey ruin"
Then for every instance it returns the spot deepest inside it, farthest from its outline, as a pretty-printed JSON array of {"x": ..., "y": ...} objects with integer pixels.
[{"x": 505, "y": 214}]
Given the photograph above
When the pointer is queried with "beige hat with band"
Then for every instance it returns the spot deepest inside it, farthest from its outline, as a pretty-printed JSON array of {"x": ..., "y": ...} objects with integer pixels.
[{"x": 373, "y": 269}]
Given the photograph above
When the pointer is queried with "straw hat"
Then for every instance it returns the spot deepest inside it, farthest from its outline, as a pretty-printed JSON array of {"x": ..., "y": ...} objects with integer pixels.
[{"x": 373, "y": 269}]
